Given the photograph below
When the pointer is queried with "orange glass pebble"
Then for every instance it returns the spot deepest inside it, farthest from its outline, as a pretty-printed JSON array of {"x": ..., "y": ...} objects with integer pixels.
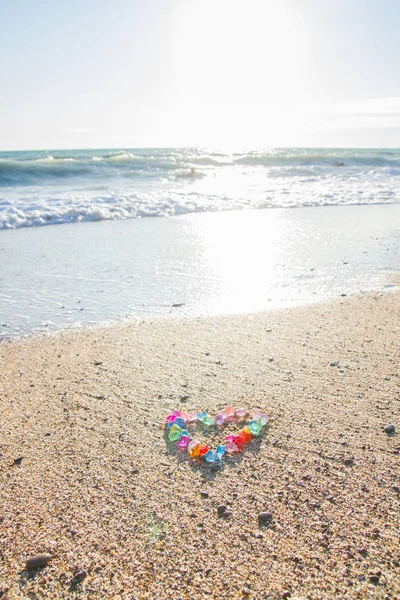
[
  {"x": 203, "y": 450},
  {"x": 245, "y": 435},
  {"x": 193, "y": 448}
]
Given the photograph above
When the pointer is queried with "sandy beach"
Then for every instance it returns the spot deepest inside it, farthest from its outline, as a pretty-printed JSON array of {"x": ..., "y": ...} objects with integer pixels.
[{"x": 87, "y": 476}]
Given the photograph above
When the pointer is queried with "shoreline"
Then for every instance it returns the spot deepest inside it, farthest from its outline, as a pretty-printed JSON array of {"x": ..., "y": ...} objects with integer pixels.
[
  {"x": 98, "y": 488},
  {"x": 207, "y": 264}
]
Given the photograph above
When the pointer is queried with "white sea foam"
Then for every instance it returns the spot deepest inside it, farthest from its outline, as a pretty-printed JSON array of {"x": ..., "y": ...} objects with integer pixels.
[{"x": 72, "y": 186}]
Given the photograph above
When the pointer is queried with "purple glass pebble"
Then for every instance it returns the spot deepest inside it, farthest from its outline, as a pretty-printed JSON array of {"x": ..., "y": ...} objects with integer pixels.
[
  {"x": 183, "y": 442},
  {"x": 219, "y": 419},
  {"x": 256, "y": 412},
  {"x": 241, "y": 413}
]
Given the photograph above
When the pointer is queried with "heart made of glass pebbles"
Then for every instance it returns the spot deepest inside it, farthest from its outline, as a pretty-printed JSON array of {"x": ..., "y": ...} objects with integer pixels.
[{"x": 178, "y": 422}]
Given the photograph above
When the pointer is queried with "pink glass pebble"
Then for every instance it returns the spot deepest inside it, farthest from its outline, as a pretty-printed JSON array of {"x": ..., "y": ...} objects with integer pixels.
[
  {"x": 229, "y": 438},
  {"x": 241, "y": 413},
  {"x": 183, "y": 442},
  {"x": 171, "y": 418},
  {"x": 219, "y": 419},
  {"x": 185, "y": 416},
  {"x": 229, "y": 414},
  {"x": 192, "y": 417},
  {"x": 230, "y": 447},
  {"x": 177, "y": 413}
]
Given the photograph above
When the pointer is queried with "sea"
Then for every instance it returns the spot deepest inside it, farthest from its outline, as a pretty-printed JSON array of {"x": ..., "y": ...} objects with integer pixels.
[{"x": 237, "y": 232}]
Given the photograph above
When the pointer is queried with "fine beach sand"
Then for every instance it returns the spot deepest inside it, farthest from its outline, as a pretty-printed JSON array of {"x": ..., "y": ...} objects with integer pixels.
[{"x": 100, "y": 490}]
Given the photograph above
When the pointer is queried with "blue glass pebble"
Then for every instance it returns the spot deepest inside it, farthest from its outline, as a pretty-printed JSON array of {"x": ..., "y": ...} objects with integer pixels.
[
  {"x": 180, "y": 422},
  {"x": 219, "y": 452},
  {"x": 210, "y": 457},
  {"x": 201, "y": 415}
]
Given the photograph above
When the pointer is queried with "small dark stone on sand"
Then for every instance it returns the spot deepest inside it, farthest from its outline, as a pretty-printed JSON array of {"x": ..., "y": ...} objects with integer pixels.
[
  {"x": 2, "y": 517},
  {"x": 204, "y": 494},
  {"x": 349, "y": 462},
  {"x": 221, "y": 509},
  {"x": 185, "y": 398},
  {"x": 98, "y": 362},
  {"x": 286, "y": 595},
  {"x": 227, "y": 514},
  {"x": 18, "y": 461},
  {"x": 363, "y": 551},
  {"x": 390, "y": 429},
  {"x": 334, "y": 363},
  {"x": 265, "y": 517},
  {"x": 374, "y": 579},
  {"x": 208, "y": 571},
  {"x": 79, "y": 577},
  {"x": 39, "y": 560}
]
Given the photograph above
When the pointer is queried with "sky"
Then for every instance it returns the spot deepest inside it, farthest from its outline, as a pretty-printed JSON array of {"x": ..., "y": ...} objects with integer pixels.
[{"x": 213, "y": 73}]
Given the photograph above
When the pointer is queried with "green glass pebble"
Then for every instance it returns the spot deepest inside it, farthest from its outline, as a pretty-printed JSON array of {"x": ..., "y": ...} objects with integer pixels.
[
  {"x": 174, "y": 433},
  {"x": 209, "y": 421},
  {"x": 255, "y": 427}
]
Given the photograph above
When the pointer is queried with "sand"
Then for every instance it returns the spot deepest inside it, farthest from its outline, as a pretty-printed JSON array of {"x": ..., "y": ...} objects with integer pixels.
[{"x": 98, "y": 488}]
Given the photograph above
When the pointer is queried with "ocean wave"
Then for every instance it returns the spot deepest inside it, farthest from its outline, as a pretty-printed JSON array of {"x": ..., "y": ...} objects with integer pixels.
[
  {"x": 53, "y": 211},
  {"x": 24, "y": 169},
  {"x": 43, "y": 188}
]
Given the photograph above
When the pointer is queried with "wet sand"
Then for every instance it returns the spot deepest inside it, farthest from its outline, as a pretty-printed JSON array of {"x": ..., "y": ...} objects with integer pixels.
[{"x": 97, "y": 487}]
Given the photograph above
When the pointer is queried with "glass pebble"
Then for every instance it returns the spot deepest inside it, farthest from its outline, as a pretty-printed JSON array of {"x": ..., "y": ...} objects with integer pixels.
[
  {"x": 193, "y": 448},
  {"x": 180, "y": 422},
  {"x": 210, "y": 457},
  {"x": 183, "y": 442},
  {"x": 229, "y": 414},
  {"x": 174, "y": 433},
  {"x": 209, "y": 421},
  {"x": 231, "y": 447},
  {"x": 219, "y": 452},
  {"x": 245, "y": 435},
  {"x": 219, "y": 419},
  {"x": 203, "y": 450},
  {"x": 255, "y": 427},
  {"x": 241, "y": 413}
]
